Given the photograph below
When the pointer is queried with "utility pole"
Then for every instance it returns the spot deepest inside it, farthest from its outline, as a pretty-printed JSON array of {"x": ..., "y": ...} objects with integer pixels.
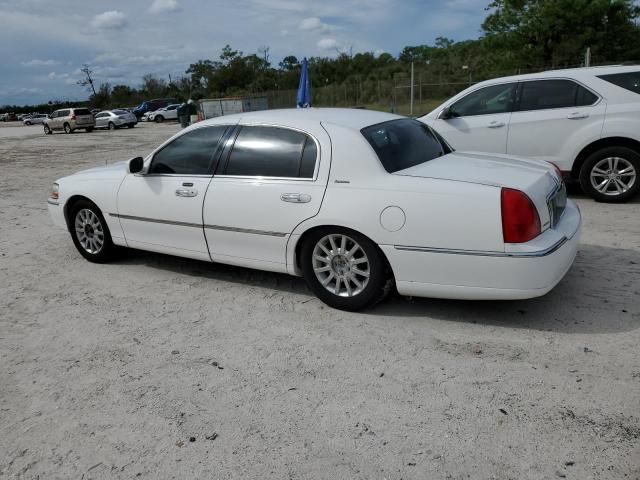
[
  {"x": 412, "y": 85},
  {"x": 587, "y": 57}
]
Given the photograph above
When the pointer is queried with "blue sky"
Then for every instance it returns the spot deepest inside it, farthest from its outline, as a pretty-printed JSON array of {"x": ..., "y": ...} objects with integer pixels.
[{"x": 43, "y": 43}]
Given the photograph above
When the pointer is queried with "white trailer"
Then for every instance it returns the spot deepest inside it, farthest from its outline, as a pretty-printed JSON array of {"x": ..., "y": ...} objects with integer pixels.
[{"x": 217, "y": 107}]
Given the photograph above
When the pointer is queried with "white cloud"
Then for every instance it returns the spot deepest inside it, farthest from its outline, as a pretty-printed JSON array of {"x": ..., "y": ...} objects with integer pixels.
[
  {"x": 165, "y": 6},
  {"x": 55, "y": 75},
  {"x": 314, "y": 24},
  {"x": 111, "y": 20},
  {"x": 327, "y": 43},
  {"x": 39, "y": 63}
]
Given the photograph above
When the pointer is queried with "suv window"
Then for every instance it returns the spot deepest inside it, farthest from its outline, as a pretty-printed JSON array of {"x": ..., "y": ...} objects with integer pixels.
[
  {"x": 63, "y": 113},
  {"x": 629, "y": 81},
  {"x": 82, "y": 111},
  {"x": 486, "y": 101},
  {"x": 546, "y": 94},
  {"x": 272, "y": 152},
  {"x": 189, "y": 154},
  {"x": 405, "y": 143}
]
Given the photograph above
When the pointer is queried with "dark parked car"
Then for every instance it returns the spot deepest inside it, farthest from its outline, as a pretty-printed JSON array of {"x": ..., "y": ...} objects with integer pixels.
[{"x": 152, "y": 105}]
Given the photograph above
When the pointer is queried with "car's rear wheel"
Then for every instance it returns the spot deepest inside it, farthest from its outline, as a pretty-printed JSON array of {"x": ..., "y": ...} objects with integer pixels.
[
  {"x": 67, "y": 128},
  {"x": 112, "y": 126},
  {"x": 47, "y": 130},
  {"x": 90, "y": 232},
  {"x": 159, "y": 119},
  {"x": 344, "y": 269},
  {"x": 611, "y": 174},
  {"x": 131, "y": 125}
]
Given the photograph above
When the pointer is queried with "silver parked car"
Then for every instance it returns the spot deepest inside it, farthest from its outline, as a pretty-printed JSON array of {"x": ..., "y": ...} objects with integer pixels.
[
  {"x": 113, "y": 119},
  {"x": 38, "y": 118}
]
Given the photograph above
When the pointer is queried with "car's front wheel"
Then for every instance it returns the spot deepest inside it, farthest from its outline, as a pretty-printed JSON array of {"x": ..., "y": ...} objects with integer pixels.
[
  {"x": 159, "y": 119},
  {"x": 611, "y": 174},
  {"x": 90, "y": 232},
  {"x": 28, "y": 123},
  {"x": 345, "y": 269},
  {"x": 112, "y": 126}
]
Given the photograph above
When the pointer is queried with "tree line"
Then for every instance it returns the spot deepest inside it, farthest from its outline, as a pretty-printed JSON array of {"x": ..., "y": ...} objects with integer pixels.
[{"x": 518, "y": 36}]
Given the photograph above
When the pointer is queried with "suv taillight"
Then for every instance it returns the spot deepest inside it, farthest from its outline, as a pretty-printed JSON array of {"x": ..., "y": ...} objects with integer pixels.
[
  {"x": 73, "y": 116},
  {"x": 520, "y": 219}
]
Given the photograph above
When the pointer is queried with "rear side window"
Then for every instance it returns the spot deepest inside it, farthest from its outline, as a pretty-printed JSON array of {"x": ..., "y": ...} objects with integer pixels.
[
  {"x": 63, "y": 113},
  {"x": 629, "y": 81},
  {"x": 548, "y": 94},
  {"x": 405, "y": 143},
  {"x": 272, "y": 152},
  {"x": 486, "y": 101},
  {"x": 189, "y": 154},
  {"x": 82, "y": 111}
]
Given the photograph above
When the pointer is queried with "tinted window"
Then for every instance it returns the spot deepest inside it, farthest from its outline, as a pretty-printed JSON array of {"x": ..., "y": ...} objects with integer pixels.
[
  {"x": 103, "y": 114},
  {"x": 63, "y": 113},
  {"x": 629, "y": 81},
  {"x": 272, "y": 152},
  {"x": 401, "y": 144},
  {"x": 545, "y": 94},
  {"x": 189, "y": 154},
  {"x": 486, "y": 101},
  {"x": 82, "y": 111},
  {"x": 120, "y": 112}
]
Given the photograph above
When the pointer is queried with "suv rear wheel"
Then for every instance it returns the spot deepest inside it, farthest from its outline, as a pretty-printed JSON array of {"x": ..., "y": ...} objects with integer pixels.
[
  {"x": 47, "y": 130},
  {"x": 67, "y": 128},
  {"x": 611, "y": 174}
]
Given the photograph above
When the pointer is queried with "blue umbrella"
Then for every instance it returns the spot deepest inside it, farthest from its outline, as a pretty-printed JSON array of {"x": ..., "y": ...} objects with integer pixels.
[{"x": 304, "y": 89}]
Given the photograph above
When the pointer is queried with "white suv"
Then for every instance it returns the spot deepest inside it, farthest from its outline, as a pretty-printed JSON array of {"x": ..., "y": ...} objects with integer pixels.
[{"x": 586, "y": 121}]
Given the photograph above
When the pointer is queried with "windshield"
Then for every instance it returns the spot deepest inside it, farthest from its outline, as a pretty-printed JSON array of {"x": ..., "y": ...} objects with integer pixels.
[
  {"x": 120, "y": 112},
  {"x": 402, "y": 144}
]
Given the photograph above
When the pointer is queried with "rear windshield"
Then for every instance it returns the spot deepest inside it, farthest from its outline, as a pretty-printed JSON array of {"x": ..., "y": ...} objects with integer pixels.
[
  {"x": 404, "y": 143},
  {"x": 629, "y": 81},
  {"x": 120, "y": 112},
  {"x": 82, "y": 111}
]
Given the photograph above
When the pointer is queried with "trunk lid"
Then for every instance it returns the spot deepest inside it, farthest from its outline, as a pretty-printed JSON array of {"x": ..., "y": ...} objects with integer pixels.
[{"x": 538, "y": 180}]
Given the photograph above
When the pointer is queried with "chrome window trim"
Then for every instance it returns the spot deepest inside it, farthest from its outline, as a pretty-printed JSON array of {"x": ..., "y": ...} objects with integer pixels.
[
  {"x": 316, "y": 169},
  {"x": 479, "y": 253}
]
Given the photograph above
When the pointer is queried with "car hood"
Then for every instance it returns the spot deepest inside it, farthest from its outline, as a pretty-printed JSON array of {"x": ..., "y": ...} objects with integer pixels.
[
  {"x": 488, "y": 169},
  {"x": 115, "y": 169}
]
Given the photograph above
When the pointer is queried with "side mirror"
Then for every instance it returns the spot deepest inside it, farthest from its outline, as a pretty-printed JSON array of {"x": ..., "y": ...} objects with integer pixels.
[
  {"x": 136, "y": 165},
  {"x": 446, "y": 114}
]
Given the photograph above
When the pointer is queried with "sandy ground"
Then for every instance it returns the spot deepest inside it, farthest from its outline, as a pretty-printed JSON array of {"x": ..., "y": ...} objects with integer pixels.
[{"x": 158, "y": 367}]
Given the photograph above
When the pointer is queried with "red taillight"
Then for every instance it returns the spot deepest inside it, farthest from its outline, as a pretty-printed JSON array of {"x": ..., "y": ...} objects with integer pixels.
[
  {"x": 73, "y": 116},
  {"x": 520, "y": 219}
]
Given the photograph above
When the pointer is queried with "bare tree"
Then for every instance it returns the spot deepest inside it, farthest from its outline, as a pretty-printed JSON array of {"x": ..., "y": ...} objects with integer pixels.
[
  {"x": 263, "y": 51},
  {"x": 87, "y": 81}
]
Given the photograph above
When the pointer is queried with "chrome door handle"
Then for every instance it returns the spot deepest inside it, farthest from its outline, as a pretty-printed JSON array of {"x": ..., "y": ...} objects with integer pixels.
[
  {"x": 186, "y": 192},
  {"x": 295, "y": 197},
  {"x": 577, "y": 116},
  {"x": 496, "y": 124}
]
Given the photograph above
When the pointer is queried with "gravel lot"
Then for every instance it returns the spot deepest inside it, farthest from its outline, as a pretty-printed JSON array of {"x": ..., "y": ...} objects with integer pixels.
[{"x": 159, "y": 367}]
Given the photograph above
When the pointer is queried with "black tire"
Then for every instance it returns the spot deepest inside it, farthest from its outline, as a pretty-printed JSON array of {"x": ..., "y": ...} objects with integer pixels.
[
  {"x": 159, "y": 119},
  {"x": 88, "y": 129},
  {"x": 112, "y": 126},
  {"x": 131, "y": 125},
  {"x": 67, "y": 129},
  {"x": 28, "y": 123},
  {"x": 597, "y": 159},
  {"x": 107, "y": 250},
  {"x": 380, "y": 277},
  {"x": 47, "y": 130}
]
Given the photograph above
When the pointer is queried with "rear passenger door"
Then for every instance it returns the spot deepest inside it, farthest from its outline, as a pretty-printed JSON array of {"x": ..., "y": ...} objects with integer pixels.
[
  {"x": 266, "y": 183},
  {"x": 553, "y": 119}
]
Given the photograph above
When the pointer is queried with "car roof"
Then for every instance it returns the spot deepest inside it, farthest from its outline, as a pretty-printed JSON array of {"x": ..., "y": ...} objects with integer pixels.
[
  {"x": 351, "y": 118},
  {"x": 577, "y": 73}
]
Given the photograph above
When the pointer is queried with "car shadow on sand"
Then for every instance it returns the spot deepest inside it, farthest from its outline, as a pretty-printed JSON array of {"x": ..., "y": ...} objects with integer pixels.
[{"x": 598, "y": 295}]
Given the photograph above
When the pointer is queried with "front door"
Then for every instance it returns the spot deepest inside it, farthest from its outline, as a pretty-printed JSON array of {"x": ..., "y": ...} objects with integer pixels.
[
  {"x": 272, "y": 179},
  {"x": 480, "y": 120},
  {"x": 161, "y": 209}
]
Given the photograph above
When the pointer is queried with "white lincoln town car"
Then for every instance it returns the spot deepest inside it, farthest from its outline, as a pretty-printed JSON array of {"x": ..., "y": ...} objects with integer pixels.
[{"x": 354, "y": 201}]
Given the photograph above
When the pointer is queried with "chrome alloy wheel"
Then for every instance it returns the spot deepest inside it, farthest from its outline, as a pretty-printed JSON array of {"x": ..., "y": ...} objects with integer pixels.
[
  {"x": 341, "y": 265},
  {"x": 89, "y": 231},
  {"x": 613, "y": 176}
]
